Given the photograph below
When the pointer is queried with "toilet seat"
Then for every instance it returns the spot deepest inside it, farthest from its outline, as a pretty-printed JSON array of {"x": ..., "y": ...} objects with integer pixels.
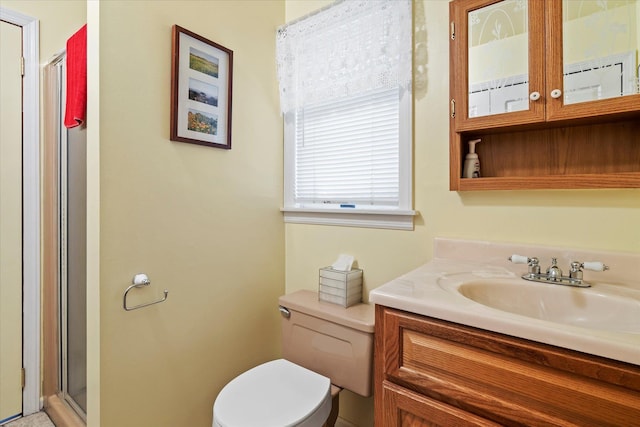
[{"x": 275, "y": 394}]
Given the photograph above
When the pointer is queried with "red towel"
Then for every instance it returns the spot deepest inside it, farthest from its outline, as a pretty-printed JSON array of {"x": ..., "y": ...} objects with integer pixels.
[{"x": 76, "y": 107}]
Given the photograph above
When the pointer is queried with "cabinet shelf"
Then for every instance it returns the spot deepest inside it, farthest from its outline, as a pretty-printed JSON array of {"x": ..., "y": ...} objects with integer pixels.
[
  {"x": 573, "y": 181},
  {"x": 598, "y": 155}
]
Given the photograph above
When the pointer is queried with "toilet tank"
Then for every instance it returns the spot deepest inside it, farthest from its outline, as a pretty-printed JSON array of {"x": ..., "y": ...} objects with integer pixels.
[{"x": 329, "y": 339}]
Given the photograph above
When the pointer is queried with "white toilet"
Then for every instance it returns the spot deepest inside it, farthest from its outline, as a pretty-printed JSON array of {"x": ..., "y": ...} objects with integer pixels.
[{"x": 326, "y": 348}]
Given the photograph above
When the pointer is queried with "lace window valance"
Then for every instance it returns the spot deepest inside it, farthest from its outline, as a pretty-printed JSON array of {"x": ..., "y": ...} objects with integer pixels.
[{"x": 352, "y": 47}]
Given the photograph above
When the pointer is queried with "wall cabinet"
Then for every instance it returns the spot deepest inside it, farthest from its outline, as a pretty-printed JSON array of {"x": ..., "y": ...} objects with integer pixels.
[
  {"x": 429, "y": 372},
  {"x": 553, "y": 94}
]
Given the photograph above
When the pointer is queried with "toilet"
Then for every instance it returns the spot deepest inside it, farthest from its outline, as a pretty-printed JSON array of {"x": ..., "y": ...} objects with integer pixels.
[{"x": 325, "y": 347}]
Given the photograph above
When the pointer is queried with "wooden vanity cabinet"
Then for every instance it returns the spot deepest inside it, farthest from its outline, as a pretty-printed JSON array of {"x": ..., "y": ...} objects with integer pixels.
[
  {"x": 430, "y": 372},
  {"x": 549, "y": 144}
]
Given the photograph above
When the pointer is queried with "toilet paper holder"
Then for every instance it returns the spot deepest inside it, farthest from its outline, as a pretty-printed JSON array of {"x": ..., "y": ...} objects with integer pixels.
[{"x": 140, "y": 280}]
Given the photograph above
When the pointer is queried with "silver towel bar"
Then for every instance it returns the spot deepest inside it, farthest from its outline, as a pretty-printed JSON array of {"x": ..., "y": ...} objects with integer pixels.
[{"x": 140, "y": 280}]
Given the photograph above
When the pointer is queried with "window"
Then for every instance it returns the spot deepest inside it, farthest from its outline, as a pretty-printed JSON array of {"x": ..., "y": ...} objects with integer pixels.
[{"x": 345, "y": 75}]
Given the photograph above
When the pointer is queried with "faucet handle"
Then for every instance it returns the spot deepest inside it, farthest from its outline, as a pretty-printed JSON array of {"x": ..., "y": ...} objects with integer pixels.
[
  {"x": 533, "y": 263},
  {"x": 576, "y": 268},
  {"x": 521, "y": 259},
  {"x": 594, "y": 266}
]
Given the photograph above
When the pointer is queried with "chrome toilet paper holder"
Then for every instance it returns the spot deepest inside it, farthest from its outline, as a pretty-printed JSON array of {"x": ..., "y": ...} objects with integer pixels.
[{"x": 140, "y": 280}]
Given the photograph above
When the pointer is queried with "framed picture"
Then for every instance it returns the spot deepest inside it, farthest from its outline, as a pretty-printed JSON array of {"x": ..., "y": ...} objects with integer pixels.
[{"x": 201, "y": 81}]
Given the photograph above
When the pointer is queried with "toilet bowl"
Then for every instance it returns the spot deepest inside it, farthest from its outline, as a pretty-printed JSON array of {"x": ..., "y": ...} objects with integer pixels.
[
  {"x": 275, "y": 394},
  {"x": 326, "y": 347}
]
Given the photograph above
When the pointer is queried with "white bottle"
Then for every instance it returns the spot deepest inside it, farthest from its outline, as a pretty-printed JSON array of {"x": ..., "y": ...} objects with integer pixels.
[{"x": 471, "y": 161}]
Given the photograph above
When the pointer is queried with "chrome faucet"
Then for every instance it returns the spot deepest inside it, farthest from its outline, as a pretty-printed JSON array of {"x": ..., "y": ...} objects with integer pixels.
[{"x": 554, "y": 274}]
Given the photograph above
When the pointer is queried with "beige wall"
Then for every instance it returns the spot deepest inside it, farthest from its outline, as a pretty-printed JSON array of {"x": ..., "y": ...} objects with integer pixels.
[
  {"x": 598, "y": 219},
  {"x": 202, "y": 222}
]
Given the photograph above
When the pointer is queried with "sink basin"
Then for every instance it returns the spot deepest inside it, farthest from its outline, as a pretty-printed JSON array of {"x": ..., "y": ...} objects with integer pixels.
[{"x": 601, "y": 307}]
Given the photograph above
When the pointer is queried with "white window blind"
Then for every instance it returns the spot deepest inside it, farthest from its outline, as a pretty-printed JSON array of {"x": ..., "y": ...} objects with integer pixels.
[
  {"x": 347, "y": 152},
  {"x": 345, "y": 92}
]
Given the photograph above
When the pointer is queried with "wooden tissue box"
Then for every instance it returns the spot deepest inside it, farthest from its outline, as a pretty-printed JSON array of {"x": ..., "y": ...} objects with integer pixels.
[{"x": 340, "y": 287}]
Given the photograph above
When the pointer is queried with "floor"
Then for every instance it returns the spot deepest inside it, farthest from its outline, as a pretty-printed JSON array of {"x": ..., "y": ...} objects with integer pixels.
[
  {"x": 36, "y": 420},
  {"x": 41, "y": 420}
]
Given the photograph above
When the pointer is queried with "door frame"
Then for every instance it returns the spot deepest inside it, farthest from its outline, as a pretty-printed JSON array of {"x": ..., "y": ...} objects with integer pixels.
[{"x": 30, "y": 207}]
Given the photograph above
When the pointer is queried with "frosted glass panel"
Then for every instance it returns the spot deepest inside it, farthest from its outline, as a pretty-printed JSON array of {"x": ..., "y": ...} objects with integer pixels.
[
  {"x": 600, "y": 49},
  {"x": 498, "y": 58},
  {"x": 76, "y": 284}
]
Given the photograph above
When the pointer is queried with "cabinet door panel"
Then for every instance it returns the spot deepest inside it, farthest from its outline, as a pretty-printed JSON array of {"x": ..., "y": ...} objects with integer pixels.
[
  {"x": 408, "y": 409},
  {"x": 591, "y": 58},
  {"x": 497, "y": 61}
]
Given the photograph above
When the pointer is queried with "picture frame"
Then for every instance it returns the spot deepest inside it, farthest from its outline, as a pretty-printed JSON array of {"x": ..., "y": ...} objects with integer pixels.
[{"x": 201, "y": 89}]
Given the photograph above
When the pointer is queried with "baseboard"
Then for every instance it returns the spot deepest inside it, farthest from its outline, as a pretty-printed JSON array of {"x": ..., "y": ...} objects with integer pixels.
[{"x": 341, "y": 422}]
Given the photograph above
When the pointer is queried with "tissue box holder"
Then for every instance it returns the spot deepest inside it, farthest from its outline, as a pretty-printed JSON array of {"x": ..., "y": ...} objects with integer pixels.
[{"x": 340, "y": 287}]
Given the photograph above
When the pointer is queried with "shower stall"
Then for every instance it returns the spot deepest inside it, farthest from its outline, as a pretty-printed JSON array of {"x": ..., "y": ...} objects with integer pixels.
[{"x": 65, "y": 334}]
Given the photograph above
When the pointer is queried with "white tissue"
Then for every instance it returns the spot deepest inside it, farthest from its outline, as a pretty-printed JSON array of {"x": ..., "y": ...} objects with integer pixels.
[{"x": 343, "y": 263}]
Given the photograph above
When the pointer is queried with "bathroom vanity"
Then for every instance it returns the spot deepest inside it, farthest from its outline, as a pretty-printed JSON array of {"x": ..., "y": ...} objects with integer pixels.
[
  {"x": 442, "y": 358},
  {"x": 432, "y": 372}
]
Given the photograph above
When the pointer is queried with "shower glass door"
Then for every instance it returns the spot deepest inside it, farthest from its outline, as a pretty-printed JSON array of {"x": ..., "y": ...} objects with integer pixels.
[{"x": 72, "y": 254}]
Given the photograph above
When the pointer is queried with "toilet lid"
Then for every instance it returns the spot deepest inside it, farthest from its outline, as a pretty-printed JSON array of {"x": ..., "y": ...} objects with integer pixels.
[{"x": 277, "y": 393}]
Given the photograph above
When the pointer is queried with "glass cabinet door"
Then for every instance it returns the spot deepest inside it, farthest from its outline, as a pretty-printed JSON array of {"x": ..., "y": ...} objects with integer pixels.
[
  {"x": 499, "y": 75},
  {"x": 597, "y": 71},
  {"x": 498, "y": 66}
]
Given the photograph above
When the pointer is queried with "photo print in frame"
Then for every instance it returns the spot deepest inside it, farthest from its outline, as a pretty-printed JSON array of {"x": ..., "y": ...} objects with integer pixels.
[{"x": 201, "y": 82}]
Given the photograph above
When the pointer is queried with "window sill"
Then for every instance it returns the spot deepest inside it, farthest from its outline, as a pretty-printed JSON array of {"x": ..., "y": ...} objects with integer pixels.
[{"x": 366, "y": 218}]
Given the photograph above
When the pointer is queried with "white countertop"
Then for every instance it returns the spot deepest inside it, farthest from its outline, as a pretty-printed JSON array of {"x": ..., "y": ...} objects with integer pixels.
[{"x": 430, "y": 291}]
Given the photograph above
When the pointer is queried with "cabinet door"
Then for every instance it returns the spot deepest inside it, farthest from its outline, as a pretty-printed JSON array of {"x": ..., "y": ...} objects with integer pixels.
[
  {"x": 592, "y": 56},
  {"x": 497, "y": 63},
  {"x": 404, "y": 408}
]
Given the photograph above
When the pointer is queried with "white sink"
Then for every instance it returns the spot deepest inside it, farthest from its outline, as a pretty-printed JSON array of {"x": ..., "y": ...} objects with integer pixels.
[{"x": 602, "y": 307}]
